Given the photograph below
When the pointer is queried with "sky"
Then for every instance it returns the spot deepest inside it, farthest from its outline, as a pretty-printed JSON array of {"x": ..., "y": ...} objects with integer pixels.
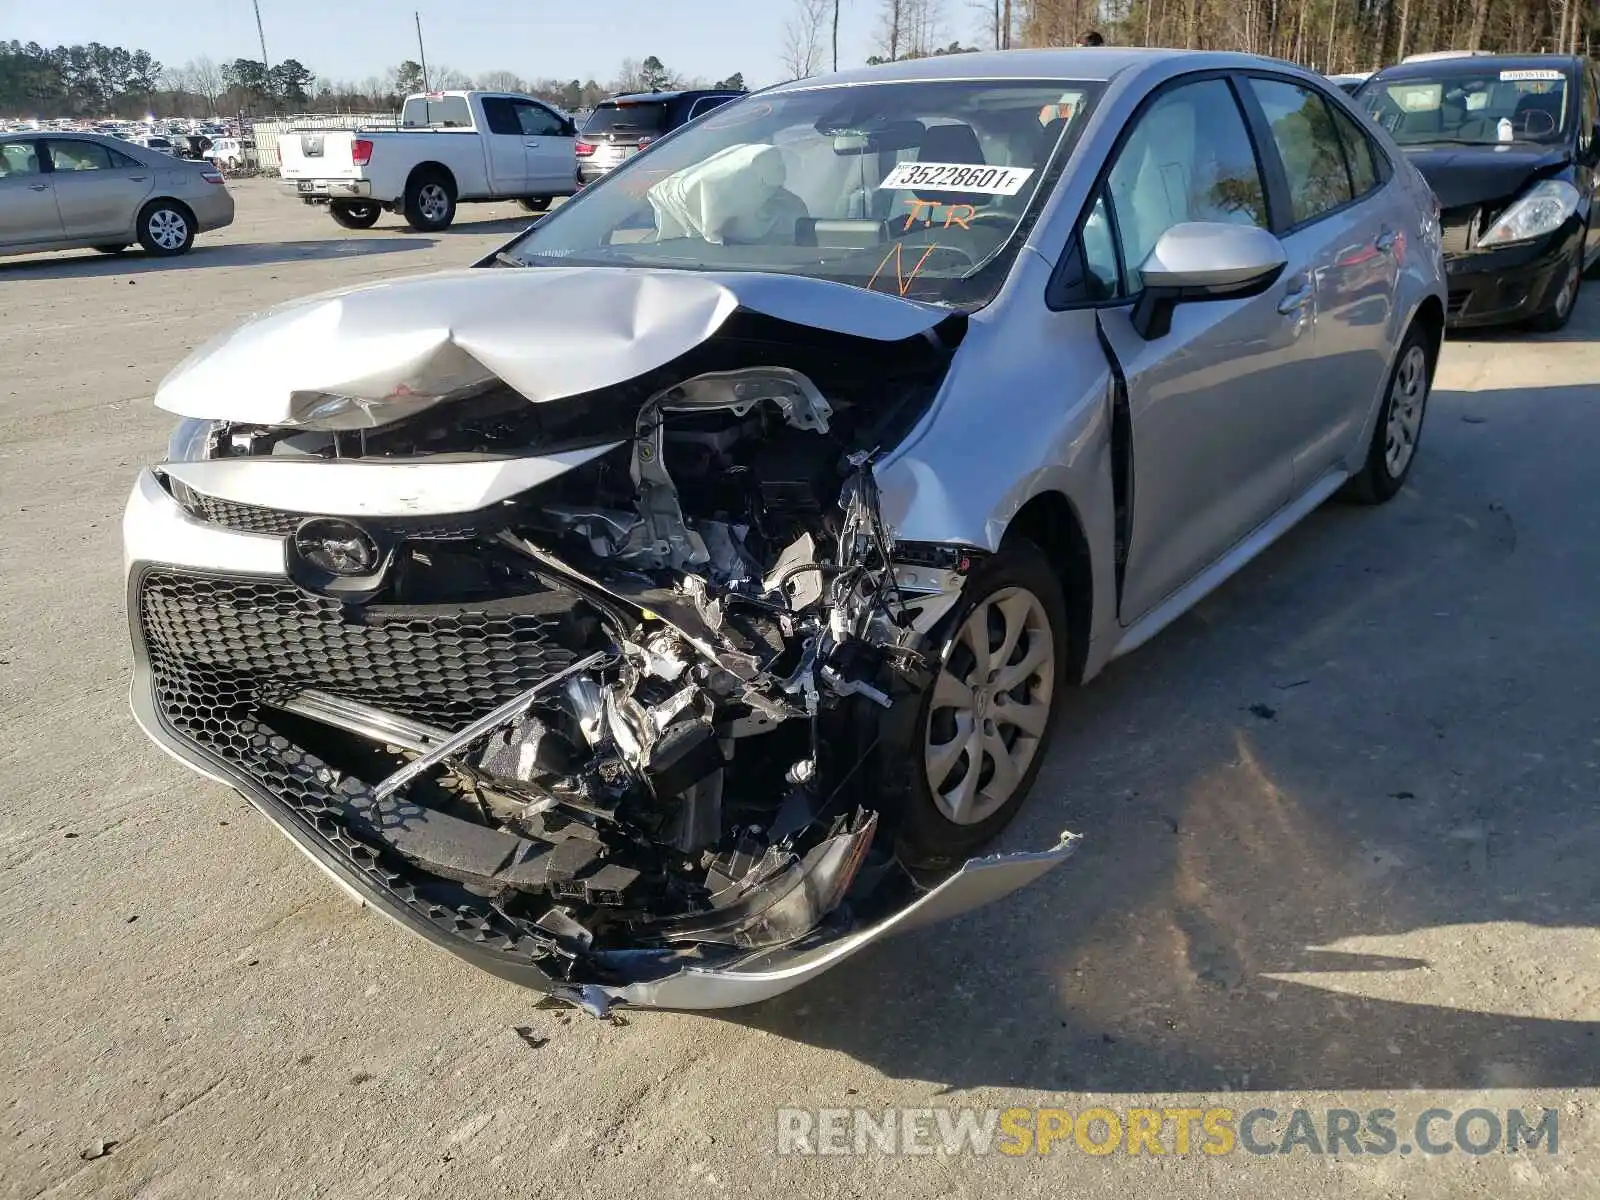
[{"x": 560, "y": 39}]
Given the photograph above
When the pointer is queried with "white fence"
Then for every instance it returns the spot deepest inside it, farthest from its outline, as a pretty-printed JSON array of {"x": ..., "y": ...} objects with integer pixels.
[{"x": 267, "y": 133}]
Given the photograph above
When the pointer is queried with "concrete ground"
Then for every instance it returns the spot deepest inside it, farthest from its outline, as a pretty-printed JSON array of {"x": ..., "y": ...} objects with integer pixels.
[{"x": 1341, "y": 834}]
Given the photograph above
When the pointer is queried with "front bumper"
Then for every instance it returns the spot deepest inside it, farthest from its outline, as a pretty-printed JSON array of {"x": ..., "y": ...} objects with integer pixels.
[
  {"x": 1502, "y": 287},
  {"x": 213, "y": 614},
  {"x": 313, "y": 190}
]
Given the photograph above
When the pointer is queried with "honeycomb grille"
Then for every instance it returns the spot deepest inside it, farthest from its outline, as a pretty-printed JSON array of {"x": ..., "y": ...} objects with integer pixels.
[
  {"x": 217, "y": 645},
  {"x": 1458, "y": 228}
]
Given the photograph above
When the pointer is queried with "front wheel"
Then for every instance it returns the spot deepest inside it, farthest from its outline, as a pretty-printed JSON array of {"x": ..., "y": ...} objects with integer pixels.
[
  {"x": 1399, "y": 426},
  {"x": 354, "y": 216},
  {"x": 984, "y": 723},
  {"x": 430, "y": 202},
  {"x": 165, "y": 228},
  {"x": 535, "y": 204},
  {"x": 1559, "y": 311}
]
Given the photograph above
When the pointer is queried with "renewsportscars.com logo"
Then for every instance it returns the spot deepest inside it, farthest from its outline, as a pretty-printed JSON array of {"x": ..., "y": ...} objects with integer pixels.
[{"x": 1213, "y": 1131}]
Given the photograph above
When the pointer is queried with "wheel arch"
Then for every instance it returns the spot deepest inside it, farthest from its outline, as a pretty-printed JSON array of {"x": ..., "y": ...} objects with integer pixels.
[
  {"x": 1430, "y": 316},
  {"x": 1050, "y": 521},
  {"x": 433, "y": 168},
  {"x": 181, "y": 205}
]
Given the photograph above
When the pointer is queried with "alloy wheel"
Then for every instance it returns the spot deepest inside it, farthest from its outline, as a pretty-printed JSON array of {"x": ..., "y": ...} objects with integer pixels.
[
  {"x": 990, "y": 706},
  {"x": 1569, "y": 288},
  {"x": 1407, "y": 397},
  {"x": 168, "y": 229},
  {"x": 434, "y": 201}
]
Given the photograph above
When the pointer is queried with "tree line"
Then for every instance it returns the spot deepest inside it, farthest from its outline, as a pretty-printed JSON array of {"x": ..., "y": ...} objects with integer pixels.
[
  {"x": 98, "y": 81},
  {"x": 1326, "y": 35}
]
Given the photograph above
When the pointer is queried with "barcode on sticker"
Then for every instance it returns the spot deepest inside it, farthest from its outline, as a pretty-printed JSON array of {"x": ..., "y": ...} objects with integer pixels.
[
  {"x": 957, "y": 177},
  {"x": 1510, "y": 76}
]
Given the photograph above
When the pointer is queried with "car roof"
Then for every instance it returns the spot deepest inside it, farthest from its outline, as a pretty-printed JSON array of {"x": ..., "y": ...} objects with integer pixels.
[
  {"x": 667, "y": 97},
  {"x": 84, "y": 135},
  {"x": 1467, "y": 64},
  {"x": 1089, "y": 64}
]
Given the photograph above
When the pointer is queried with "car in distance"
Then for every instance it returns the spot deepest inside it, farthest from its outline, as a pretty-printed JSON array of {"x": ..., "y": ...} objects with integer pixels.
[
  {"x": 66, "y": 191},
  {"x": 1510, "y": 144},
  {"x": 231, "y": 153},
  {"x": 672, "y": 605},
  {"x": 451, "y": 148},
  {"x": 620, "y": 127}
]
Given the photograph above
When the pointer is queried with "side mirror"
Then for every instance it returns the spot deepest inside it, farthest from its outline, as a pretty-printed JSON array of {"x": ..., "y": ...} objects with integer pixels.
[
  {"x": 1204, "y": 260},
  {"x": 570, "y": 129}
]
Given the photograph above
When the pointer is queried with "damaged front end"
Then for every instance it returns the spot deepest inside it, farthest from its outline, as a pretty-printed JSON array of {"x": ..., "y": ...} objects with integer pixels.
[{"x": 607, "y": 678}]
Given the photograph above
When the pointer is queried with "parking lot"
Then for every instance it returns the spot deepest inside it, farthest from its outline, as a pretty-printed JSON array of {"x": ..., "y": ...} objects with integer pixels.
[{"x": 1340, "y": 843}]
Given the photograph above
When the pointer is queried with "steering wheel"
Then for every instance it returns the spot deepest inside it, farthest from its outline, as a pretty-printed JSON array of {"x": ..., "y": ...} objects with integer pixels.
[
  {"x": 1531, "y": 118},
  {"x": 918, "y": 255}
]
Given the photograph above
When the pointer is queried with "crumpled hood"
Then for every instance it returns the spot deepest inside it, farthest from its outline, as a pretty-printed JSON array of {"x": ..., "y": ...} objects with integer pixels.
[
  {"x": 397, "y": 347},
  {"x": 1472, "y": 175}
]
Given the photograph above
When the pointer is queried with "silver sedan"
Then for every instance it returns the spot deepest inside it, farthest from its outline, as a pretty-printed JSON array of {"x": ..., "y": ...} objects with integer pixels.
[
  {"x": 669, "y": 608},
  {"x": 66, "y": 191}
]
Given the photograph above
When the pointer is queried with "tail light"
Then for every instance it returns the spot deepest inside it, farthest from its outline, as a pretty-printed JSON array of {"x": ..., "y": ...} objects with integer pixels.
[
  {"x": 212, "y": 177},
  {"x": 643, "y": 142},
  {"x": 583, "y": 149},
  {"x": 361, "y": 151}
]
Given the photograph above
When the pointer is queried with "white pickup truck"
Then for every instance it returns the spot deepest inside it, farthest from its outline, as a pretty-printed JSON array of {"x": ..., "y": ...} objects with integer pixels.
[{"x": 451, "y": 148}]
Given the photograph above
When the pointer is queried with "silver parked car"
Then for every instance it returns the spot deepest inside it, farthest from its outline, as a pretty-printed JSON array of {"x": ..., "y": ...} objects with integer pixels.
[
  {"x": 70, "y": 190},
  {"x": 671, "y": 606}
]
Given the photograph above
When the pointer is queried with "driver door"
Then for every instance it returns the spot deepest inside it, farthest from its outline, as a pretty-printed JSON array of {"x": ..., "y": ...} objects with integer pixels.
[
  {"x": 1210, "y": 403},
  {"x": 503, "y": 148},
  {"x": 550, "y": 143}
]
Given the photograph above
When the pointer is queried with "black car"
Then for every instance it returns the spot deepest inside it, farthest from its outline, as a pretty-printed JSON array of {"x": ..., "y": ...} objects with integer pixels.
[
  {"x": 1510, "y": 145},
  {"x": 620, "y": 127},
  {"x": 191, "y": 145}
]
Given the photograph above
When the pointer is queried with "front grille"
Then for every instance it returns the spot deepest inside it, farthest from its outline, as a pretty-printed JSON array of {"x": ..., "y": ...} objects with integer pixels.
[
  {"x": 1457, "y": 303},
  {"x": 277, "y": 522},
  {"x": 1459, "y": 229},
  {"x": 217, "y": 646}
]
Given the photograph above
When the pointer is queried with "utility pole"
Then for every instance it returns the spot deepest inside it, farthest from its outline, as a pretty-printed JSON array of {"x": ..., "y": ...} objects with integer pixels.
[
  {"x": 421, "y": 53},
  {"x": 265, "y": 65}
]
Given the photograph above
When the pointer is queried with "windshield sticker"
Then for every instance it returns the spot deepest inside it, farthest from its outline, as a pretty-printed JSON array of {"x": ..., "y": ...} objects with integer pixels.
[
  {"x": 1509, "y": 76},
  {"x": 957, "y": 177}
]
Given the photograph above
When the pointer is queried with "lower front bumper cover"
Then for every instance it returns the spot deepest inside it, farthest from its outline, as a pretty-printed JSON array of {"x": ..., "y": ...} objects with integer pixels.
[
  {"x": 478, "y": 938},
  {"x": 1502, "y": 287}
]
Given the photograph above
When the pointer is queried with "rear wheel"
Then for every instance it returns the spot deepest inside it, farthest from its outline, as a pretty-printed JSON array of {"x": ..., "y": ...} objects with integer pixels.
[
  {"x": 430, "y": 201},
  {"x": 1399, "y": 427},
  {"x": 165, "y": 228},
  {"x": 1559, "y": 311},
  {"x": 535, "y": 204},
  {"x": 985, "y": 722},
  {"x": 354, "y": 216}
]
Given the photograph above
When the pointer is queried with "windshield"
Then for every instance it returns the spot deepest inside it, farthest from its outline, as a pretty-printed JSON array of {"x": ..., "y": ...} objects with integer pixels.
[
  {"x": 1480, "y": 106},
  {"x": 924, "y": 189},
  {"x": 649, "y": 116}
]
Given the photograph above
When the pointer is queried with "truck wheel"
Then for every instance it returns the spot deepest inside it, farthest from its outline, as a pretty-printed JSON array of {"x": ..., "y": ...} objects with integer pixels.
[
  {"x": 430, "y": 201},
  {"x": 354, "y": 216},
  {"x": 535, "y": 204}
]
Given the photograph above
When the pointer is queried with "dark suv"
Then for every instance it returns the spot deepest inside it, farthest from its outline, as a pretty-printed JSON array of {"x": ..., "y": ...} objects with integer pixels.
[
  {"x": 620, "y": 127},
  {"x": 1510, "y": 146}
]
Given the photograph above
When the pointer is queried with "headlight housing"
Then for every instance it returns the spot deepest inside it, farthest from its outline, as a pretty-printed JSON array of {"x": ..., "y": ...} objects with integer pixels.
[
  {"x": 1542, "y": 209},
  {"x": 192, "y": 440}
]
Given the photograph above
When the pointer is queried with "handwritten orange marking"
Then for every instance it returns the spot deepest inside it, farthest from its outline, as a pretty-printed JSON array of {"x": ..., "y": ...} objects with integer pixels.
[
  {"x": 968, "y": 211},
  {"x": 902, "y": 283},
  {"x": 916, "y": 211}
]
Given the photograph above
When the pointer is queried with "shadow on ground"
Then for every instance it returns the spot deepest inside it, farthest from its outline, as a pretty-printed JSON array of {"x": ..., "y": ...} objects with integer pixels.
[
  {"x": 77, "y": 265},
  {"x": 1369, "y": 733}
]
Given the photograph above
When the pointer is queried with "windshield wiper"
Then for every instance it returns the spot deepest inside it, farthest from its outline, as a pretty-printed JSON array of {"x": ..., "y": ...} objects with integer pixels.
[{"x": 508, "y": 260}]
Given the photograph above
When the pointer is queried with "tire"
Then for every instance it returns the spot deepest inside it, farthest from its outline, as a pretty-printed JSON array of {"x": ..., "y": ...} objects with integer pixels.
[
  {"x": 111, "y": 249},
  {"x": 535, "y": 204},
  {"x": 233, "y": 164},
  {"x": 165, "y": 228},
  {"x": 430, "y": 201},
  {"x": 949, "y": 809},
  {"x": 1398, "y": 430},
  {"x": 1558, "y": 312},
  {"x": 354, "y": 216}
]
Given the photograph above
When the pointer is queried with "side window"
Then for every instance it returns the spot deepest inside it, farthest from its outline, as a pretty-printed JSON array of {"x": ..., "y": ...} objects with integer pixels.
[
  {"x": 500, "y": 115},
  {"x": 537, "y": 120},
  {"x": 1357, "y": 152},
  {"x": 1189, "y": 158},
  {"x": 79, "y": 156},
  {"x": 1308, "y": 144},
  {"x": 18, "y": 158},
  {"x": 121, "y": 161},
  {"x": 1589, "y": 110},
  {"x": 705, "y": 104},
  {"x": 1102, "y": 280}
]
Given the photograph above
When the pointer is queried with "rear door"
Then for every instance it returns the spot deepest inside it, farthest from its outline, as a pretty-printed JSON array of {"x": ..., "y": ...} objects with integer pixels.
[
  {"x": 504, "y": 148},
  {"x": 552, "y": 161},
  {"x": 27, "y": 197},
  {"x": 98, "y": 189},
  {"x": 1338, "y": 222},
  {"x": 1212, "y": 446}
]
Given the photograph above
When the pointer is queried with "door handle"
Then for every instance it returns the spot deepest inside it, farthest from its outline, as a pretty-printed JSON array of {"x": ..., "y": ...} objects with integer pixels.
[
  {"x": 1386, "y": 240},
  {"x": 138, "y": 178},
  {"x": 38, "y": 187},
  {"x": 533, "y": 145},
  {"x": 1296, "y": 300}
]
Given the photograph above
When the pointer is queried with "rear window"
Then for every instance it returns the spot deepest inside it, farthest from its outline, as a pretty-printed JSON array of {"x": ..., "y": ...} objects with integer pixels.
[
  {"x": 442, "y": 112},
  {"x": 649, "y": 116}
]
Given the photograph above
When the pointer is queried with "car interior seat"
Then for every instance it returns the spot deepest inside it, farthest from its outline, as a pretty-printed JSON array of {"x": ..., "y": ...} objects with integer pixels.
[{"x": 1160, "y": 191}]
